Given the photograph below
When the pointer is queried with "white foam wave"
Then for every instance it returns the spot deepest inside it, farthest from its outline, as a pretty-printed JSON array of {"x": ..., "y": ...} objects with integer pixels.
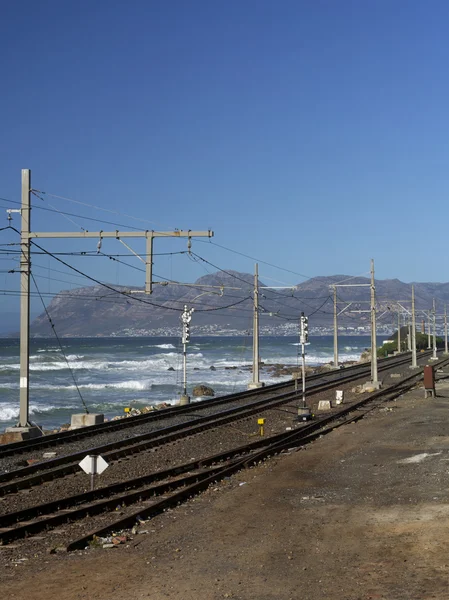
[
  {"x": 229, "y": 363},
  {"x": 69, "y": 357},
  {"x": 163, "y": 346},
  {"x": 144, "y": 384},
  {"x": 322, "y": 360},
  {"x": 8, "y": 413},
  {"x": 50, "y": 350},
  {"x": 121, "y": 385}
]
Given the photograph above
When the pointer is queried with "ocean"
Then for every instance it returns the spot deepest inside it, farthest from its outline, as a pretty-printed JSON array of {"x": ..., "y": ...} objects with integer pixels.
[{"x": 112, "y": 373}]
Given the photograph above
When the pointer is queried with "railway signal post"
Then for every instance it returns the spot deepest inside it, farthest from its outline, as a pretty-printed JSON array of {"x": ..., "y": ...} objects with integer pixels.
[
  {"x": 186, "y": 317},
  {"x": 304, "y": 413}
]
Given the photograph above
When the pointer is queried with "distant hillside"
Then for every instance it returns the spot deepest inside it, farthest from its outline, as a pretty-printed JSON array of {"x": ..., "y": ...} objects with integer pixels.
[{"x": 97, "y": 311}]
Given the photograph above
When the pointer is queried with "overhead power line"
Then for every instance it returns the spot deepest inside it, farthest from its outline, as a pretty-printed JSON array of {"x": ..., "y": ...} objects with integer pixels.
[
  {"x": 109, "y": 287},
  {"x": 108, "y": 210},
  {"x": 259, "y": 260},
  {"x": 60, "y": 345}
]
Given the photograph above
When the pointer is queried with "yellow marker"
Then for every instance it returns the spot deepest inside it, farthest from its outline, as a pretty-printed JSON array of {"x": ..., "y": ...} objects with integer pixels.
[
  {"x": 261, "y": 423},
  {"x": 127, "y": 409}
]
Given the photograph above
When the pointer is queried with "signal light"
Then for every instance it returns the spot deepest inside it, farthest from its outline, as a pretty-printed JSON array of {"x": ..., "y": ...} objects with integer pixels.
[{"x": 304, "y": 329}]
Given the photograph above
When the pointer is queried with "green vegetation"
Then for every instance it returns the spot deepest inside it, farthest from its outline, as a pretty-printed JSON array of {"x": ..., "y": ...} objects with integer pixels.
[{"x": 392, "y": 346}]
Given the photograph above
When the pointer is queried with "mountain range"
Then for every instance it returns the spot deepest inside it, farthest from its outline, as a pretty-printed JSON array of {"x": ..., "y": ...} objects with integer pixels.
[{"x": 223, "y": 302}]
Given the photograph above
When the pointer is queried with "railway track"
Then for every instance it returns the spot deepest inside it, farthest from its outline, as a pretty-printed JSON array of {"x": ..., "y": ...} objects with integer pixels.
[
  {"x": 26, "y": 477},
  {"x": 156, "y": 492},
  {"x": 63, "y": 438}
]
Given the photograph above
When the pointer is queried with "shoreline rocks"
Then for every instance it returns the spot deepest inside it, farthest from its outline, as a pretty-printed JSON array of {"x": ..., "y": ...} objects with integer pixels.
[{"x": 202, "y": 390}]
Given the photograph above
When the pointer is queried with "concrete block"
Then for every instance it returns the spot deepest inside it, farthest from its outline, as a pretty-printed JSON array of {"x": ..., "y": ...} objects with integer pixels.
[
  {"x": 255, "y": 386},
  {"x": 85, "y": 420},
  {"x": 19, "y": 434},
  {"x": 304, "y": 413},
  {"x": 395, "y": 375},
  {"x": 324, "y": 405},
  {"x": 371, "y": 386}
]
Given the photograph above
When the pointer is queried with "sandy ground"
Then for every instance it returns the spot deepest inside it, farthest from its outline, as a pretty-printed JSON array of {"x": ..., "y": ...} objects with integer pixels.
[{"x": 360, "y": 514}]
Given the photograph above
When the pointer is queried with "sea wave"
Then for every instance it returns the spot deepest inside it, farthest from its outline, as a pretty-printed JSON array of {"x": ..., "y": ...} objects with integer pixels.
[
  {"x": 120, "y": 385},
  {"x": 50, "y": 350},
  {"x": 8, "y": 412},
  {"x": 143, "y": 384},
  {"x": 163, "y": 346}
]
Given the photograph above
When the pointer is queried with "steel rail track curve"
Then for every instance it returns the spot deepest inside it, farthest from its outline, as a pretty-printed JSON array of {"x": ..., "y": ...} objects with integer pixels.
[
  {"x": 59, "y": 438},
  {"x": 29, "y": 521},
  {"x": 60, "y": 467},
  {"x": 289, "y": 441}
]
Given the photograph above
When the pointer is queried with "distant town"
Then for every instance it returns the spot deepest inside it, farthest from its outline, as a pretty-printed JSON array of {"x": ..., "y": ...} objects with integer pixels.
[{"x": 287, "y": 329}]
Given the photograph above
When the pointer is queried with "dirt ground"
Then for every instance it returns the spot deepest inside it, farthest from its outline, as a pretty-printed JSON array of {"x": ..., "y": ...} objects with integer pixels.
[{"x": 360, "y": 514}]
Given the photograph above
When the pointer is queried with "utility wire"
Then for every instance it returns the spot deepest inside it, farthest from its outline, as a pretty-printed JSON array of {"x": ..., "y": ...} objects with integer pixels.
[
  {"x": 87, "y": 218},
  {"x": 114, "y": 212},
  {"x": 60, "y": 345},
  {"x": 256, "y": 259},
  {"x": 127, "y": 295},
  {"x": 89, "y": 253}
]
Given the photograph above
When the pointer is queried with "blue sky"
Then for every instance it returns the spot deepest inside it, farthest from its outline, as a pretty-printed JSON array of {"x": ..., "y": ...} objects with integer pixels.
[{"x": 310, "y": 134}]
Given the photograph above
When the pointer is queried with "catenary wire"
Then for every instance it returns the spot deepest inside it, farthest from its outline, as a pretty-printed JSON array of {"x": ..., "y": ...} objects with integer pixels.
[{"x": 60, "y": 345}]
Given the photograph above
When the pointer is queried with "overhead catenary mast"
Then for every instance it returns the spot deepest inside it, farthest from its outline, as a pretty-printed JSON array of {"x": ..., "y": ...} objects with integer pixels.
[
  {"x": 256, "y": 383},
  {"x": 24, "y": 428},
  {"x": 434, "y": 319},
  {"x": 374, "y": 376},
  {"x": 414, "y": 364},
  {"x": 374, "y": 379},
  {"x": 336, "y": 365},
  {"x": 445, "y": 330}
]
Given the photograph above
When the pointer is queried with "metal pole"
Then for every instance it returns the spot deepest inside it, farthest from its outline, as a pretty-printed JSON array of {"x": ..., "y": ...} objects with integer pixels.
[
  {"x": 399, "y": 330},
  {"x": 256, "y": 326},
  {"x": 335, "y": 330},
  {"x": 255, "y": 382},
  {"x": 374, "y": 379},
  {"x": 428, "y": 331},
  {"x": 186, "y": 317},
  {"x": 434, "y": 355},
  {"x": 25, "y": 269},
  {"x": 93, "y": 472},
  {"x": 296, "y": 374},
  {"x": 149, "y": 264},
  {"x": 184, "y": 378},
  {"x": 303, "y": 352},
  {"x": 445, "y": 330},
  {"x": 414, "y": 363}
]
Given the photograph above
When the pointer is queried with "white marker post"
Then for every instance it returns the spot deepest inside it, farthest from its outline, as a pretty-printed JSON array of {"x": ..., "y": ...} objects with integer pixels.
[{"x": 93, "y": 465}]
